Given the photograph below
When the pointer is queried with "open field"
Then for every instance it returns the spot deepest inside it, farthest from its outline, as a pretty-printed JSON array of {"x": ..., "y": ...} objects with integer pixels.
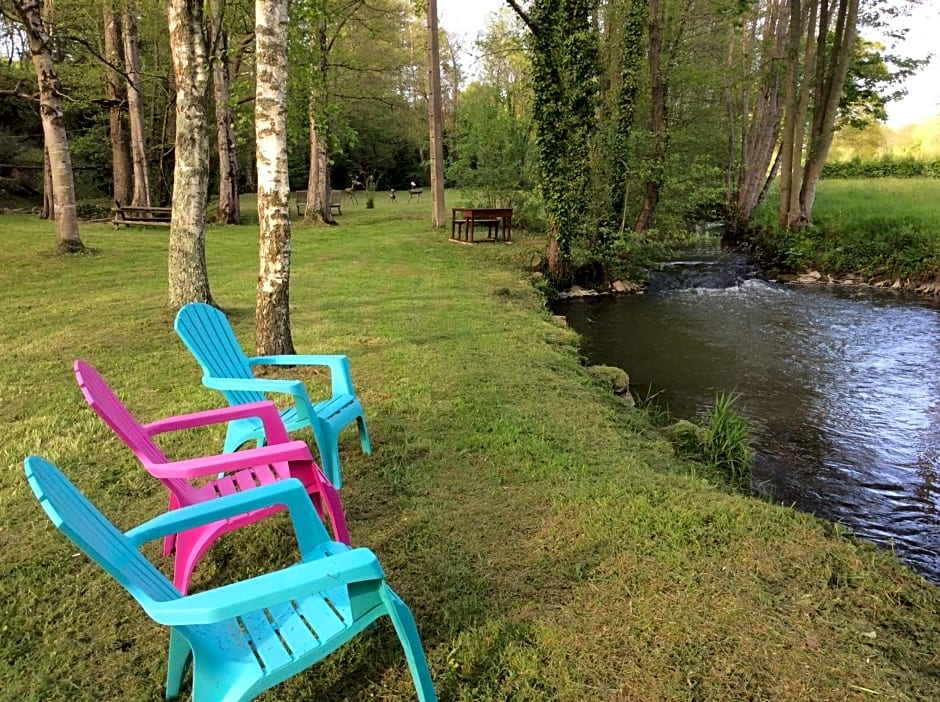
[
  {"x": 547, "y": 539},
  {"x": 882, "y": 228}
]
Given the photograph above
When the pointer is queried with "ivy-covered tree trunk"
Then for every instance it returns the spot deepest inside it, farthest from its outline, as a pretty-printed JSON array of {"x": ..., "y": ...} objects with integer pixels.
[
  {"x": 272, "y": 308},
  {"x": 53, "y": 127},
  {"x": 116, "y": 92},
  {"x": 631, "y": 56},
  {"x": 229, "y": 209},
  {"x": 565, "y": 76},
  {"x": 135, "y": 109},
  {"x": 188, "y": 276}
]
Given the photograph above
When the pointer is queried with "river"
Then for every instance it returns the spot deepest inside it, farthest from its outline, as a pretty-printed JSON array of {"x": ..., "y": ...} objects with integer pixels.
[{"x": 841, "y": 386}]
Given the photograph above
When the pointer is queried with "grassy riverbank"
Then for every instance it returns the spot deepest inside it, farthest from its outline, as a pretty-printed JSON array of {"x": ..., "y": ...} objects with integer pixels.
[
  {"x": 880, "y": 228},
  {"x": 547, "y": 539}
]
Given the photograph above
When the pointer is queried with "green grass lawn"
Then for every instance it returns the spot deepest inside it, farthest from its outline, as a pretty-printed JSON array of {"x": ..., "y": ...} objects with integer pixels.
[
  {"x": 546, "y": 537},
  {"x": 882, "y": 228}
]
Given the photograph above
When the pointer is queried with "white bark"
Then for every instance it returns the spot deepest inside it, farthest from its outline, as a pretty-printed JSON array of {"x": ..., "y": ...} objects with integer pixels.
[
  {"x": 53, "y": 127},
  {"x": 272, "y": 310},
  {"x": 188, "y": 277},
  {"x": 135, "y": 109}
]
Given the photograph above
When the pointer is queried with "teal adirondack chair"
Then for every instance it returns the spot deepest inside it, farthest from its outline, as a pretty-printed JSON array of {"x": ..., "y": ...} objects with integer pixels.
[
  {"x": 207, "y": 334},
  {"x": 247, "y": 636}
]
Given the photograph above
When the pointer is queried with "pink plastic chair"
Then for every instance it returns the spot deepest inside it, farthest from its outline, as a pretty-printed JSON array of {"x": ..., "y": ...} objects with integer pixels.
[{"x": 281, "y": 458}]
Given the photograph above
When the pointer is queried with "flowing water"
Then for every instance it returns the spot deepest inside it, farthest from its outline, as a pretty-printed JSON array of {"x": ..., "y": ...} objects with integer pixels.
[{"x": 840, "y": 385}]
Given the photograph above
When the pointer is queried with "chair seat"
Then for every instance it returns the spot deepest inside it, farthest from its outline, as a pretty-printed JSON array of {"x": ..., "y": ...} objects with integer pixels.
[{"x": 333, "y": 411}]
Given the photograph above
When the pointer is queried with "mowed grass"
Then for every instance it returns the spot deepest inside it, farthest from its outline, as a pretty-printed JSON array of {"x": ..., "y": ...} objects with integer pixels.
[
  {"x": 548, "y": 540},
  {"x": 882, "y": 228}
]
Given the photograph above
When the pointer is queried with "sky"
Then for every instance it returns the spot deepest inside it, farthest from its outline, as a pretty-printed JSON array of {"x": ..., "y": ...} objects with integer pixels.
[{"x": 467, "y": 17}]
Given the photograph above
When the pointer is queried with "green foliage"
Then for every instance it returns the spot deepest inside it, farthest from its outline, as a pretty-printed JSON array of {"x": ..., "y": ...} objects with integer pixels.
[
  {"x": 888, "y": 166},
  {"x": 727, "y": 445},
  {"x": 883, "y": 229},
  {"x": 493, "y": 153},
  {"x": 721, "y": 443}
]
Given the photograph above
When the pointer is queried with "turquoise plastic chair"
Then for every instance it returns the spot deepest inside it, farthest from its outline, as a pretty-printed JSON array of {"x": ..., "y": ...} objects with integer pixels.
[
  {"x": 207, "y": 334},
  {"x": 248, "y": 636}
]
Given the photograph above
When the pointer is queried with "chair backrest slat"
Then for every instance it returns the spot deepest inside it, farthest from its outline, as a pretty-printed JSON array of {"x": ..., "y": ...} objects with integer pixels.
[
  {"x": 207, "y": 334},
  {"x": 78, "y": 519},
  {"x": 106, "y": 405}
]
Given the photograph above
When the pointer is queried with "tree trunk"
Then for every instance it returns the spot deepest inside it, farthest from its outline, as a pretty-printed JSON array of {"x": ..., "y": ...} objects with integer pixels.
[
  {"x": 188, "y": 277},
  {"x": 48, "y": 204},
  {"x": 826, "y": 105},
  {"x": 121, "y": 168},
  {"x": 435, "y": 119},
  {"x": 657, "y": 117},
  {"x": 53, "y": 127},
  {"x": 168, "y": 140},
  {"x": 272, "y": 308},
  {"x": 759, "y": 112},
  {"x": 135, "y": 109},
  {"x": 318, "y": 181},
  {"x": 229, "y": 210}
]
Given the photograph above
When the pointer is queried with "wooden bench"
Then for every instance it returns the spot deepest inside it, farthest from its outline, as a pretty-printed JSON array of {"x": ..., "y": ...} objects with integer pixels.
[
  {"x": 336, "y": 196},
  {"x": 143, "y": 216},
  {"x": 465, "y": 220}
]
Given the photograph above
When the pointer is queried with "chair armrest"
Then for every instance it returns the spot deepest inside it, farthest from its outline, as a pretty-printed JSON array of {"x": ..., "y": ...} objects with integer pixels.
[
  {"x": 287, "y": 387},
  {"x": 340, "y": 376},
  {"x": 228, "y": 462},
  {"x": 308, "y": 529},
  {"x": 265, "y": 410},
  {"x": 293, "y": 583}
]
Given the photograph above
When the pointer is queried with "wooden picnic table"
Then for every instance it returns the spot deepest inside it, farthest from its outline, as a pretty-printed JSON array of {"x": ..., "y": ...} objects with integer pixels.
[{"x": 495, "y": 219}]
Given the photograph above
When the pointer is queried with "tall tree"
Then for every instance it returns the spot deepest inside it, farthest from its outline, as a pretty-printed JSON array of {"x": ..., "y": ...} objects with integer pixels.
[
  {"x": 565, "y": 73},
  {"x": 188, "y": 276},
  {"x": 229, "y": 209},
  {"x": 435, "y": 118},
  {"x": 116, "y": 94},
  {"x": 135, "y": 108},
  {"x": 272, "y": 308},
  {"x": 53, "y": 126},
  {"x": 654, "y": 179}
]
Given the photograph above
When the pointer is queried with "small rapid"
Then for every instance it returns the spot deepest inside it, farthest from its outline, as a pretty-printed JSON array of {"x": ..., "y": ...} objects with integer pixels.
[{"x": 840, "y": 385}]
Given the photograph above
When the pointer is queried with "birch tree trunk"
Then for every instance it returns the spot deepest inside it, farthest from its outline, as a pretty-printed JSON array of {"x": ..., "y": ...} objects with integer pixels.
[
  {"x": 121, "y": 168},
  {"x": 135, "y": 109},
  {"x": 435, "y": 118},
  {"x": 272, "y": 308},
  {"x": 188, "y": 277},
  {"x": 53, "y": 127},
  {"x": 229, "y": 211}
]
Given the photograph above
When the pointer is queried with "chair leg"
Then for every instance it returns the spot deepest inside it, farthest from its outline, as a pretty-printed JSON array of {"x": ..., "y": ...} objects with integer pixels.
[
  {"x": 407, "y": 632},
  {"x": 364, "y": 435},
  {"x": 334, "y": 510},
  {"x": 176, "y": 663},
  {"x": 328, "y": 445}
]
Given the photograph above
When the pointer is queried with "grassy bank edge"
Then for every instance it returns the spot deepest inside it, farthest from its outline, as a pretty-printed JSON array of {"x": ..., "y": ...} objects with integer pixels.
[{"x": 549, "y": 541}]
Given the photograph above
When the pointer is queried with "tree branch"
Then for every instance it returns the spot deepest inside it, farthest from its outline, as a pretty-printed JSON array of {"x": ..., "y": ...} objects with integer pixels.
[{"x": 523, "y": 16}]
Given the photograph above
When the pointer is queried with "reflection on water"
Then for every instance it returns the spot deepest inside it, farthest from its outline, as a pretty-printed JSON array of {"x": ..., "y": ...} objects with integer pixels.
[{"x": 842, "y": 387}]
